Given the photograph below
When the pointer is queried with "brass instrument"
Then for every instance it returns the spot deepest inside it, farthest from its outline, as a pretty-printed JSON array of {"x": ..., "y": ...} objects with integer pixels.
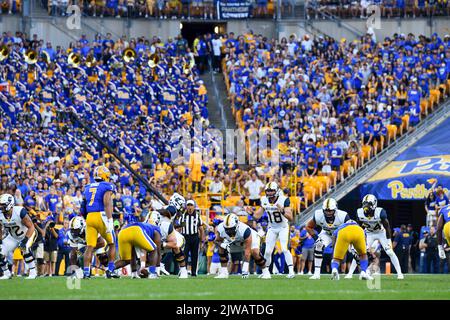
[
  {"x": 31, "y": 56},
  {"x": 45, "y": 56},
  {"x": 90, "y": 61},
  {"x": 128, "y": 55},
  {"x": 74, "y": 59},
  {"x": 153, "y": 61},
  {"x": 4, "y": 52}
]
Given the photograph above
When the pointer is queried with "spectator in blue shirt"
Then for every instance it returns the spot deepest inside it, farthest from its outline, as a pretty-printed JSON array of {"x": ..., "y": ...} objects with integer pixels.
[
  {"x": 307, "y": 243},
  {"x": 367, "y": 133},
  {"x": 52, "y": 200}
]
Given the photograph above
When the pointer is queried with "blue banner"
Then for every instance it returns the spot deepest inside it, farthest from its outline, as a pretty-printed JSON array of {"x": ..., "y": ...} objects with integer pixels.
[{"x": 414, "y": 172}]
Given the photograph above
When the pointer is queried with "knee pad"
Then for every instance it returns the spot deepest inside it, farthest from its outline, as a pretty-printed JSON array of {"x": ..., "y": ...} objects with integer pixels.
[
  {"x": 223, "y": 257},
  {"x": 260, "y": 261},
  {"x": 179, "y": 257}
]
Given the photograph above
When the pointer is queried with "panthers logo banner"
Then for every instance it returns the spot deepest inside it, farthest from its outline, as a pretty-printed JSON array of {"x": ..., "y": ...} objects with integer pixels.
[{"x": 414, "y": 172}]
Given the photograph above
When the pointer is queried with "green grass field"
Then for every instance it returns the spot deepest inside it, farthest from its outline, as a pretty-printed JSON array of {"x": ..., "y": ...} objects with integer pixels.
[{"x": 203, "y": 287}]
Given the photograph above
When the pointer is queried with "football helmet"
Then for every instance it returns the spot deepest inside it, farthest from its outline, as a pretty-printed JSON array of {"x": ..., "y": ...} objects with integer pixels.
[
  {"x": 230, "y": 224},
  {"x": 77, "y": 226},
  {"x": 369, "y": 204},
  {"x": 102, "y": 173},
  {"x": 154, "y": 218},
  {"x": 178, "y": 201},
  {"x": 329, "y": 208},
  {"x": 6, "y": 203},
  {"x": 272, "y": 191}
]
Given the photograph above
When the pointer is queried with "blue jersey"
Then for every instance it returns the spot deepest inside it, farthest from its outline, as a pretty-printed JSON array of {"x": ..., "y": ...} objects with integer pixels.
[
  {"x": 342, "y": 226},
  {"x": 148, "y": 229},
  {"x": 445, "y": 213},
  {"x": 93, "y": 193}
]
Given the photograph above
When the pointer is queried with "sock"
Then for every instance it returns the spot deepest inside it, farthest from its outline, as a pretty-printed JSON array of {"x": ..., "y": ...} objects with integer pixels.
[
  {"x": 245, "y": 266},
  {"x": 334, "y": 265},
  {"x": 317, "y": 265},
  {"x": 364, "y": 264},
  {"x": 183, "y": 269},
  {"x": 352, "y": 267},
  {"x": 223, "y": 270},
  {"x": 395, "y": 261},
  {"x": 111, "y": 266},
  {"x": 87, "y": 271},
  {"x": 289, "y": 262}
]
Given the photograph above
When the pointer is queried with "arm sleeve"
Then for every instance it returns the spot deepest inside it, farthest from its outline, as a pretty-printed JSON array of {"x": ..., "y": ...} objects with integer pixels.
[
  {"x": 383, "y": 215},
  {"x": 23, "y": 213},
  {"x": 170, "y": 229},
  {"x": 247, "y": 233},
  {"x": 287, "y": 202}
]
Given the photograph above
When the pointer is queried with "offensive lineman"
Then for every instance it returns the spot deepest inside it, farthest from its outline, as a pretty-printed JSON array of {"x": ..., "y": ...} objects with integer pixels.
[
  {"x": 374, "y": 220},
  {"x": 329, "y": 219},
  {"x": 231, "y": 230},
  {"x": 277, "y": 206},
  {"x": 21, "y": 233},
  {"x": 443, "y": 227},
  {"x": 171, "y": 240}
]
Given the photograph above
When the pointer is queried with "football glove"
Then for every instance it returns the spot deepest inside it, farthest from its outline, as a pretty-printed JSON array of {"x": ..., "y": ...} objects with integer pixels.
[
  {"x": 23, "y": 244},
  {"x": 441, "y": 251},
  {"x": 225, "y": 245}
]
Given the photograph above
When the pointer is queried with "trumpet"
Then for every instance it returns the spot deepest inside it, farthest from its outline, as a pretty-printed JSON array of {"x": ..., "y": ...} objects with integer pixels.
[
  {"x": 31, "y": 56},
  {"x": 128, "y": 55},
  {"x": 4, "y": 52},
  {"x": 74, "y": 59},
  {"x": 90, "y": 61},
  {"x": 153, "y": 61}
]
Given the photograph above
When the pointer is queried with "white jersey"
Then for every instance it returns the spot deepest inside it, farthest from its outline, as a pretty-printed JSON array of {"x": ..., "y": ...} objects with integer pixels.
[
  {"x": 372, "y": 224},
  {"x": 329, "y": 228},
  {"x": 276, "y": 218},
  {"x": 167, "y": 228},
  {"x": 242, "y": 232},
  {"x": 78, "y": 242},
  {"x": 14, "y": 226}
]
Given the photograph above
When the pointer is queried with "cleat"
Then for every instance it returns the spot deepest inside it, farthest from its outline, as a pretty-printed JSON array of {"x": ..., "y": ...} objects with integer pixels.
[
  {"x": 334, "y": 274},
  {"x": 400, "y": 276},
  {"x": 266, "y": 274},
  {"x": 6, "y": 275},
  {"x": 290, "y": 275},
  {"x": 364, "y": 276},
  {"x": 348, "y": 276},
  {"x": 183, "y": 275},
  {"x": 111, "y": 275},
  {"x": 315, "y": 277},
  {"x": 163, "y": 270},
  {"x": 32, "y": 275}
]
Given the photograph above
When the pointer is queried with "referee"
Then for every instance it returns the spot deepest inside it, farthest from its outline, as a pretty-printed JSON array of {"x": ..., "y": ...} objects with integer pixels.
[{"x": 193, "y": 233}]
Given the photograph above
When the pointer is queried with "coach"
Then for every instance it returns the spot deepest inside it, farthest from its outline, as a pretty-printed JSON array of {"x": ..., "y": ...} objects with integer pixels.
[{"x": 192, "y": 230}]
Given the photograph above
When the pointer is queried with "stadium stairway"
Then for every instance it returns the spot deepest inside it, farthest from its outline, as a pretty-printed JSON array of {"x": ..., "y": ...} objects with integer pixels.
[
  {"x": 219, "y": 109},
  {"x": 380, "y": 160}
]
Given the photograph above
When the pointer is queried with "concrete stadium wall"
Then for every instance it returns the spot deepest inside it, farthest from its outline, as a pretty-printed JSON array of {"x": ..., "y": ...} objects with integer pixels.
[{"x": 58, "y": 33}]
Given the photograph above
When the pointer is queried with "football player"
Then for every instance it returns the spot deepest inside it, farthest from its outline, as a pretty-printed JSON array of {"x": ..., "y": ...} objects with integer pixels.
[
  {"x": 329, "y": 218},
  {"x": 142, "y": 240},
  {"x": 277, "y": 206},
  {"x": 77, "y": 239},
  {"x": 171, "y": 240},
  {"x": 349, "y": 233},
  {"x": 97, "y": 208},
  {"x": 21, "y": 234},
  {"x": 443, "y": 227},
  {"x": 233, "y": 231},
  {"x": 376, "y": 224}
]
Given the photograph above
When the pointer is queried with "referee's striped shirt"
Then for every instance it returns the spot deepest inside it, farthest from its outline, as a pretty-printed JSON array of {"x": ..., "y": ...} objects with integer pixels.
[{"x": 191, "y": 223}]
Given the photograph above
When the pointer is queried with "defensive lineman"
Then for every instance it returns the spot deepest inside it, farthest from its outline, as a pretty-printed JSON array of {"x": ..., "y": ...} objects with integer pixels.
[
  {"x": 329, "y": 219},
  {"x": 21, "y": 233},
  {"x": 277, "y": 206},
  {"x": 374, "y": 220},
  {"x": 233, "y": 231}
]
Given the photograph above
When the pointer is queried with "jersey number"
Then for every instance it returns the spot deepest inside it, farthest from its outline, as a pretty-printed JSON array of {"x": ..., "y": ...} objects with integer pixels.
[
  {"x": 93, "y": 191},
  {"x": 276, "y": 217},
  {"x": 15, "y": 230}
]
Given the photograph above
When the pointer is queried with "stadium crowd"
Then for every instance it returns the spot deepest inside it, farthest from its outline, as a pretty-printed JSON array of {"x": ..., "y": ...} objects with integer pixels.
[
  {"x": 387, "y": 8},
  {"x": 328, "y": 100}
]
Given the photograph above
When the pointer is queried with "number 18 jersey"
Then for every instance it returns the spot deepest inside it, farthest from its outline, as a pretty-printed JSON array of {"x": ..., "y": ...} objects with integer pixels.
[{"x": 276, "y": 218}]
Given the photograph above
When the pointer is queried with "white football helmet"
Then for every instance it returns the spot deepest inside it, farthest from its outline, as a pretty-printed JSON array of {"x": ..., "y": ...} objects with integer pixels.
[
  {"x": 178, "y": 201},
  {"x": 154, "y": 218},
  {"x": 230, "y": 224},
  {"x": 329, "y": 207},
  {"x": 6, "y": 203},
  {"x": 369, "y": 203},
  {"x": 272, "y": 191},
  {"x": 77, "y": 226}
]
